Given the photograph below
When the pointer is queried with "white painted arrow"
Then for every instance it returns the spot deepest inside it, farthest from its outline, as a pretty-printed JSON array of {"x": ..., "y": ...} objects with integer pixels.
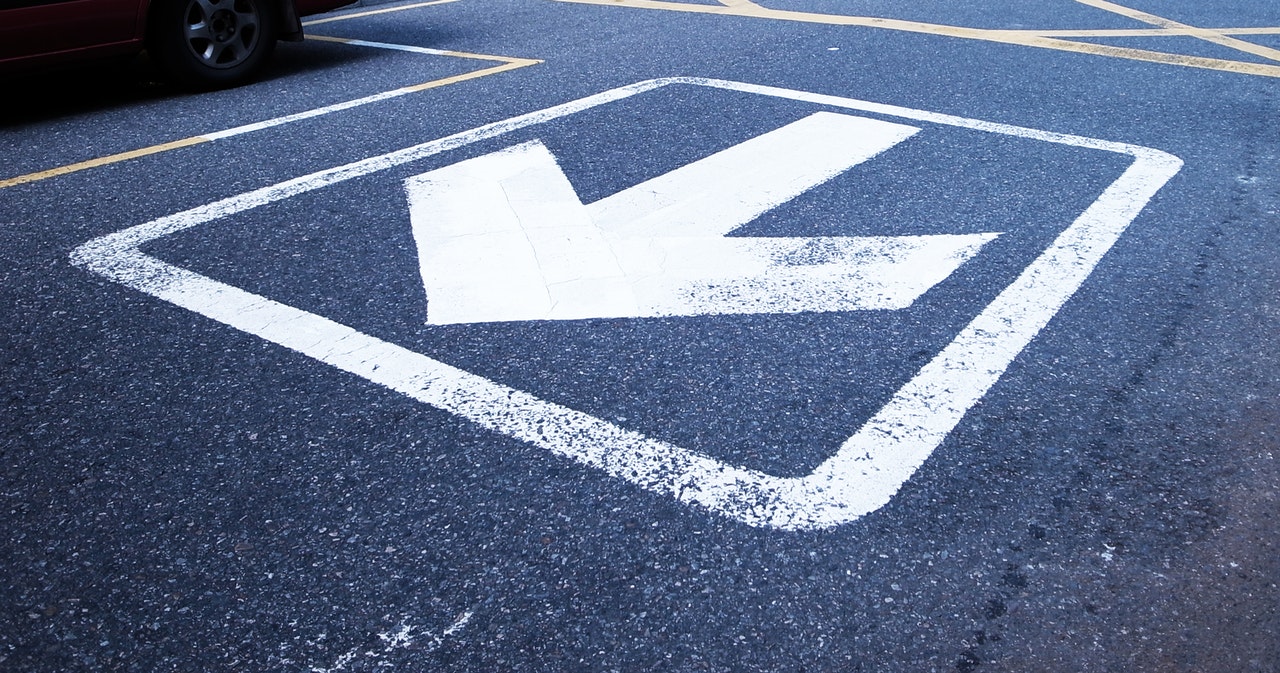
[{"x": 505, "y": 237}]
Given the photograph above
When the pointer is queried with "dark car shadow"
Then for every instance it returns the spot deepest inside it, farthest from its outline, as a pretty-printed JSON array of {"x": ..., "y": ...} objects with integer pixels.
[{"x": 109, "y": 84}]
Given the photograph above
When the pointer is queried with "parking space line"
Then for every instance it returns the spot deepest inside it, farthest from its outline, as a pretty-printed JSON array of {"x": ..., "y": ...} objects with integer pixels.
[
  {"x": 505, "y": 63},
  {"x": 356, "y": 15},
  {"x": 1024, "y": 38},
  {"x": 102, "y": 161},
  {"x": 1150, "y": 32}
]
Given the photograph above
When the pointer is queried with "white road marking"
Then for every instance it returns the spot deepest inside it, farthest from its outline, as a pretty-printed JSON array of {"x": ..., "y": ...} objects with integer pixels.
[
  {"x": 358, "y": 102},
  {"x": 715, "y": 195},
  {"x": 505, "y": 237},
  {"x": 866, "y": 471},
  {"x": 402, "y": 638}
]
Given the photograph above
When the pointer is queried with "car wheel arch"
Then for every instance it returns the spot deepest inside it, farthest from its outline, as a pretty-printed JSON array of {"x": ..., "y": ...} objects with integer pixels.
[{"x": 288, "y": 19}]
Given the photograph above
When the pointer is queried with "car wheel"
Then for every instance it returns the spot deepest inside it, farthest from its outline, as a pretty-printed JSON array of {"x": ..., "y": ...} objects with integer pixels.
[{"x": 212, "y": 43}]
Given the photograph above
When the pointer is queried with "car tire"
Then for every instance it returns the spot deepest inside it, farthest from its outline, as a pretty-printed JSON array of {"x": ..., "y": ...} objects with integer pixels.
[{"x": 211, "y": 44}]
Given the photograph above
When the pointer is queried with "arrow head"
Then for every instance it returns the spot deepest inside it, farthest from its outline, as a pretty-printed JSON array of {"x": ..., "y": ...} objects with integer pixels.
[{"x": 505, "y": 237}]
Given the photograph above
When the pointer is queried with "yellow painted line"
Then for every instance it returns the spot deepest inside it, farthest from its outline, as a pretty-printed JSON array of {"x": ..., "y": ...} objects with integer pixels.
[
  {"x": 103, "y": 161},
  {"x": 752, "y": 10},
  {"x": 401, "y": 8},
  {"x": 744, "y": 8},
  {"x": 1200, "y": 33},
  {"x": 506, "y": 63},
  {"x": 1257, "y": 30},
  {"x": 1166, "y": 58},
  {"x": 1148, "y": 32}
]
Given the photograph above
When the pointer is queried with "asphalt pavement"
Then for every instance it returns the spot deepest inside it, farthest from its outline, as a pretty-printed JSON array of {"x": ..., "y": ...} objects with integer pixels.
[{"x": 992, "y": 389}]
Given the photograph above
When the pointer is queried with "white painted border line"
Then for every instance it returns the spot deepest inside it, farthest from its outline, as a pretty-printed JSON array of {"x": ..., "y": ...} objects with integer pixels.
[
  {"x": 306, "y": 114},
  {"x": 374, "y": 98},
  {"x": 373, "y": 12},
  {"x": 861, "y": 477}
]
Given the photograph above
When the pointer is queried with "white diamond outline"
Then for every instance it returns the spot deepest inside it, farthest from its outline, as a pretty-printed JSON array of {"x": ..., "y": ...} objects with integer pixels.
[{"x": 864, "y": 474}]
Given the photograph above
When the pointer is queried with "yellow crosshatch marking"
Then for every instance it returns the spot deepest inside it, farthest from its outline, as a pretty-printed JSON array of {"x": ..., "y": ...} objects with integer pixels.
[
  {"x": 505, "y": 63},
  {"x": 1046, "y": 39}
]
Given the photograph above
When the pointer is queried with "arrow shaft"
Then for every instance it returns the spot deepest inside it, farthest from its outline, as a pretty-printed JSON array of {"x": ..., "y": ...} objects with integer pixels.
[{"x": 706, "y": 276}]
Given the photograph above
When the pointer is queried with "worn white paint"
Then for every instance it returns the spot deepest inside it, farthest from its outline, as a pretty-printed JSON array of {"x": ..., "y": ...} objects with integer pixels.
[
  {"x": 860, "y": 477},
  {"x": 505, "y": 237},
  {"x": 404, "y": 637}
]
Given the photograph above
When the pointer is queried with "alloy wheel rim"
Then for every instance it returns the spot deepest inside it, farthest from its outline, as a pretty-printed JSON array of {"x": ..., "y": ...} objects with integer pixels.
[{"x": 221, "y": 33}]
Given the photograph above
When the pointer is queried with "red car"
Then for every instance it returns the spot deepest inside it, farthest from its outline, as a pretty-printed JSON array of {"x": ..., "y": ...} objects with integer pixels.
[{"x": 206, "y": 43}]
